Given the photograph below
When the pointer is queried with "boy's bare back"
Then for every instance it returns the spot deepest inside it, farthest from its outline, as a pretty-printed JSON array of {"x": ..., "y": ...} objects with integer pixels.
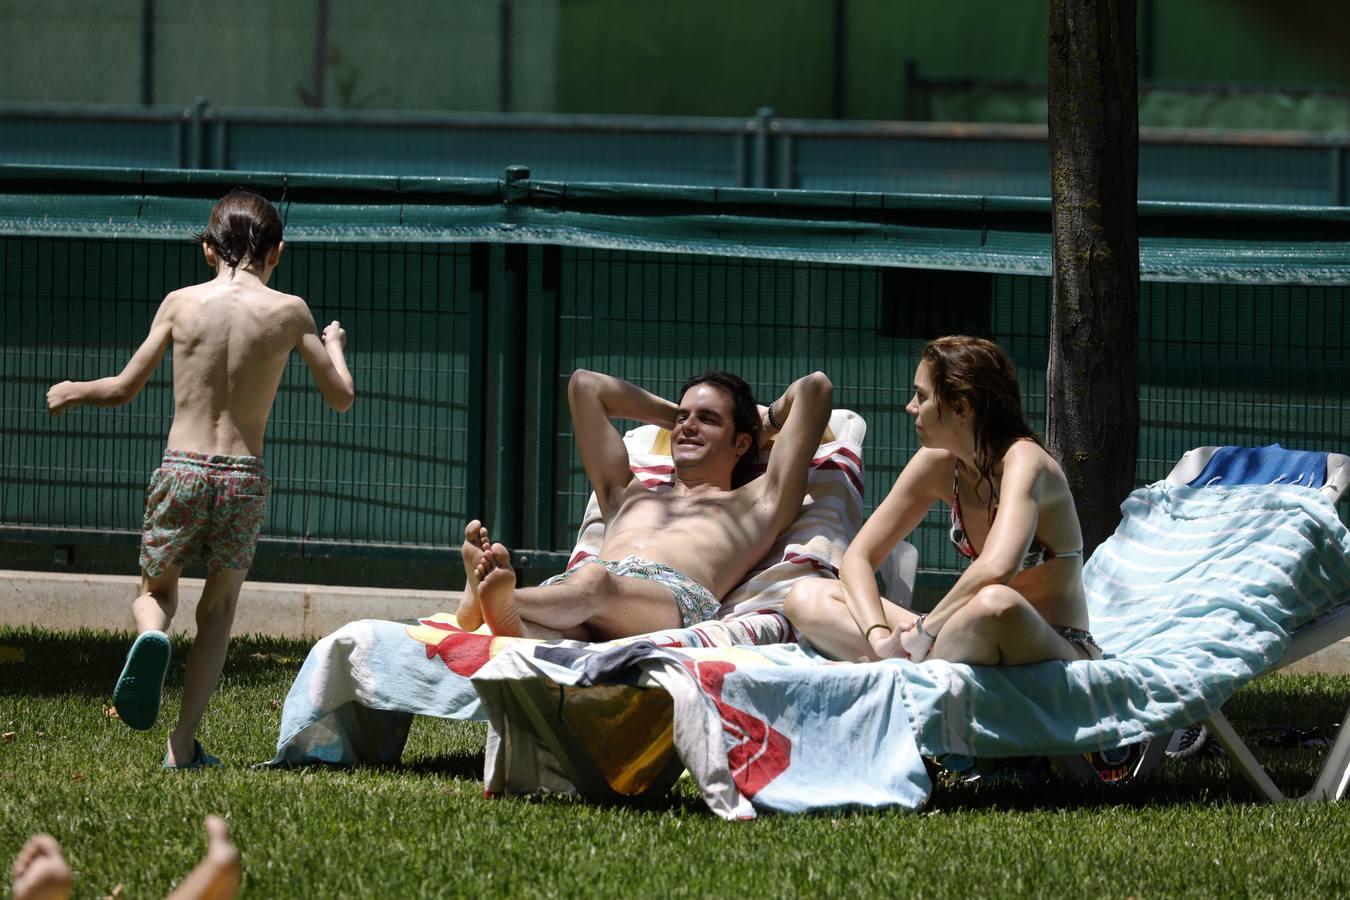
[{"x": 231, "y": 338}]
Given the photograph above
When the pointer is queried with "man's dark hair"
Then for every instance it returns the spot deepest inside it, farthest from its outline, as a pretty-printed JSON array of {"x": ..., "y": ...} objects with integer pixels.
[
  {"x": 745, "y": 417},
  {"x": 243, "y": 229}
]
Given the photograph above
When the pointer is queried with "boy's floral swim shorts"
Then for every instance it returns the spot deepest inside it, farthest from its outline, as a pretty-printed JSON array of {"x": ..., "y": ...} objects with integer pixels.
[{"x": 201, "y": 506}]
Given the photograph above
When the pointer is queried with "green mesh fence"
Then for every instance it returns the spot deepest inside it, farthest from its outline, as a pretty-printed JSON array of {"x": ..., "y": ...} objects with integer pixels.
[
  {"x": 1230, "y": 365},
  {"x": 461, "y": 351},
  {"x": 388, "y": 472}
]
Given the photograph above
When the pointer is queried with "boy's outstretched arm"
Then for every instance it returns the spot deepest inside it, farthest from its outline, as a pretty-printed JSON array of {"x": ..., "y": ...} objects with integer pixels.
[
  {"x": 327, "y": 363},
  {"x": 122, "y": 388}
]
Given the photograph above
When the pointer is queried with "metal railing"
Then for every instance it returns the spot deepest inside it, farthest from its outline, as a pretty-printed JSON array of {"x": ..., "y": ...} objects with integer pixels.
[{"x": 760, "y": 150}]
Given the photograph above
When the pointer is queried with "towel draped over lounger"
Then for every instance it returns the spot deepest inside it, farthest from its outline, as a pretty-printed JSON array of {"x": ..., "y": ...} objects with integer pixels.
[{"x": 1196, "y": 593}]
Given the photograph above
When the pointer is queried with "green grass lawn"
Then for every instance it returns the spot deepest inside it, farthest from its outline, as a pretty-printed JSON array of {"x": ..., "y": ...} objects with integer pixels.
[{"x": 424, "y": 828}]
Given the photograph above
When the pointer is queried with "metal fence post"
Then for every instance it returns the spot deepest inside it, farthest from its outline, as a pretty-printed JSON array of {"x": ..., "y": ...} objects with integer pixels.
[
  {"x": 220, "y": 131},
  {"x": 475, "y": 463},
  {"x": 320, "y": 54},
  {"x": 504, "y": 62},
  {"x": 147, "y": 52},
  {"x": 511, "y": 374},
  {"x": 913, "y": 103},
  {"x": 1338, "y": 193},
  {"x": 546, "y": 399},
  {"x": 198, "y": 151},
  {"x": 763, "y": 171}
]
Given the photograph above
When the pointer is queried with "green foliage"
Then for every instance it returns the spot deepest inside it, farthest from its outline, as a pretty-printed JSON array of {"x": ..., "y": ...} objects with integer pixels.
[{"x": 424, "y": 829}]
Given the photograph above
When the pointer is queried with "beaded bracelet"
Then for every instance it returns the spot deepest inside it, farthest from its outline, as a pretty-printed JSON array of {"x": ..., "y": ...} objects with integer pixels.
[{"x": 773, "y": 420}]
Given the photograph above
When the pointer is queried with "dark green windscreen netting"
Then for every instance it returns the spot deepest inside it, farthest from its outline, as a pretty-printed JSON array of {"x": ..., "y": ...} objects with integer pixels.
[{"x": 449, "y": 366}]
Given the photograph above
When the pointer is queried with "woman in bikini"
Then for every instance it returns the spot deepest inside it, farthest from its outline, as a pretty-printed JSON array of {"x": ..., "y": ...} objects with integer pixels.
[{"x": 1012, "y": 515}]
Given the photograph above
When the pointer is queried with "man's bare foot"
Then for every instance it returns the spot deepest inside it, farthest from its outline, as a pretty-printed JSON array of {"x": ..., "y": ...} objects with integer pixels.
[
  {"x": 40, "y": 871},
  {"x": 476, "y": 543},
  {"x": 217, "y": 876},
  {"x": 496, "y": 587}
]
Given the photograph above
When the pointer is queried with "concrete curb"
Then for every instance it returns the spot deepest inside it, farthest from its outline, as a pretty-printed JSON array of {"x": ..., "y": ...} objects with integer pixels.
[
  {"x": 63, "y": 601},
  {"x": 66, "y": 602}
]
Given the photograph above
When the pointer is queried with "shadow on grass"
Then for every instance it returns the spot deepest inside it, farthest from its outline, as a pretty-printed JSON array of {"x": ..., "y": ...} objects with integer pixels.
[
  {"x": 462, "y": 766},
  {"x": 45, "y": 663}
]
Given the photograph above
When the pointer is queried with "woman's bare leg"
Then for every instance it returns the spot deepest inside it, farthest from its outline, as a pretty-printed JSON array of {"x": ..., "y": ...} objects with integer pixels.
[
  {"x": 816, "y": 608},
  {"x": 998, "y": 627}
]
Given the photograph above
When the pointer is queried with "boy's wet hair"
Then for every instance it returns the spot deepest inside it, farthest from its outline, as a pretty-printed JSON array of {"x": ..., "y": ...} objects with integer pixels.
[
  {"x": 243, "y": 229},
  {"x": 745, "y": 417}
]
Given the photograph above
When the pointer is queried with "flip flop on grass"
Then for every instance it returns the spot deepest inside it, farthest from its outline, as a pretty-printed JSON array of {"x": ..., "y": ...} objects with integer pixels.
[
  {"x": 141, "y": 684},
  {"x": 200, "y": 760}
]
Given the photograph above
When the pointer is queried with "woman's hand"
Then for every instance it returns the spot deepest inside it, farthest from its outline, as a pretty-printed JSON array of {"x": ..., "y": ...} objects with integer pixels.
[
  {"x": 916, "y": 642},
  {"x": 886, "y": 644}
]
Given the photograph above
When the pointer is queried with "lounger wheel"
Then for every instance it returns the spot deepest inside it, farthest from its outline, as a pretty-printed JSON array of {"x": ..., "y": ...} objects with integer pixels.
[
  {"x": 1187, "y": 742},
  {"x": 1115, "y": 766},
  {"x": 1118, "y": 765}
]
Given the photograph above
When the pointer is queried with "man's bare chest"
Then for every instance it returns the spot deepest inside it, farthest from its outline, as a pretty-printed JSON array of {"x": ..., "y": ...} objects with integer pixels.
[{"x": 666, "y": 509}]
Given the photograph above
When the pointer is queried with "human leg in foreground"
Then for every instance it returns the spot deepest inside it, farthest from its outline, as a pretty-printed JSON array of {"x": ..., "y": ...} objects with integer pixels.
[
  {"x": 589, "y": 603},
  {"x": 139, "y": 690},
  {"x": 217, "y": 876},
  {"x": 140, "y": 687},
  {"x": 41, "y": 872}
]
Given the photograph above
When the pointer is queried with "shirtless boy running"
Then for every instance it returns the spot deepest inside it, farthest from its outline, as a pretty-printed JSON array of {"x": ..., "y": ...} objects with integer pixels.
[
  {"x": 670, "y": 557},
  {"x": 231, "y": 337}
]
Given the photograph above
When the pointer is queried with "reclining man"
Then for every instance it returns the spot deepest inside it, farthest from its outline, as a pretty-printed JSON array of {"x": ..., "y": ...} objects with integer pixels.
[{"x": 668, "y": 558}]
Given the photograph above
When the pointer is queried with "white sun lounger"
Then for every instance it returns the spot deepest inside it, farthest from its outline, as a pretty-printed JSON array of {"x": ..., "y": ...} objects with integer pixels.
[
  {"x": 1333, "y": 626},
  {"x": 1322, "y": 632}
]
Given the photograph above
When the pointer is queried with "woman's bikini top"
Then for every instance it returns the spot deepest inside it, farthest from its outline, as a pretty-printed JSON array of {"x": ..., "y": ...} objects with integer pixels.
[{"x": 1038, "y": 553}]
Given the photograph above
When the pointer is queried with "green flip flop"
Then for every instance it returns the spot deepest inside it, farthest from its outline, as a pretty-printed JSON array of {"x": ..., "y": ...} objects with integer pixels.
[
  {"x": 141, "y": 684},
  {"x": 200, "y": 760}
]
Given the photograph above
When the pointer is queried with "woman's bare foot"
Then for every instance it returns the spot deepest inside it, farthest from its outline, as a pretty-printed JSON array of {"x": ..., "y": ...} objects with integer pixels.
[
  {"x": 40, "y": 871},
  {"x": 217, "y": 876},
  {"x": 476, "y": 543},
  {"x": 496, "y": 587}
]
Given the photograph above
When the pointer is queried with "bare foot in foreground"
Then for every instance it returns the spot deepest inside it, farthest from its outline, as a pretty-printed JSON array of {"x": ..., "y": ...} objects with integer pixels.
[
  {"x": 476, "y": 543},
  {"x": 496, "y": 587},
  {"x": 217, "y": 876},
  {"x": 40, "y": 872}
]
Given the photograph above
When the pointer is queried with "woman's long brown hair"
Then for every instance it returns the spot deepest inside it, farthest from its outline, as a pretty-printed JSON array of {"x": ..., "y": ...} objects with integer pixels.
[{"x": 980, "y": 375}]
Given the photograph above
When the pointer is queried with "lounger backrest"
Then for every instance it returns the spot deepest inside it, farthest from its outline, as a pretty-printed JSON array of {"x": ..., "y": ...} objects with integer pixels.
[{"x": 1263, "y": 465}]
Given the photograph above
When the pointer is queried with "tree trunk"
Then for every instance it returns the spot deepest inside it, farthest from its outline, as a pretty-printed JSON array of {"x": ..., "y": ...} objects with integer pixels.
[{"x": 1092, "y": 385}]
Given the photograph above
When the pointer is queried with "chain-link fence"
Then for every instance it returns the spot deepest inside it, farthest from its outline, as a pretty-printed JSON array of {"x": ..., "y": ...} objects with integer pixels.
[{"x": 325, "y": 54}]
